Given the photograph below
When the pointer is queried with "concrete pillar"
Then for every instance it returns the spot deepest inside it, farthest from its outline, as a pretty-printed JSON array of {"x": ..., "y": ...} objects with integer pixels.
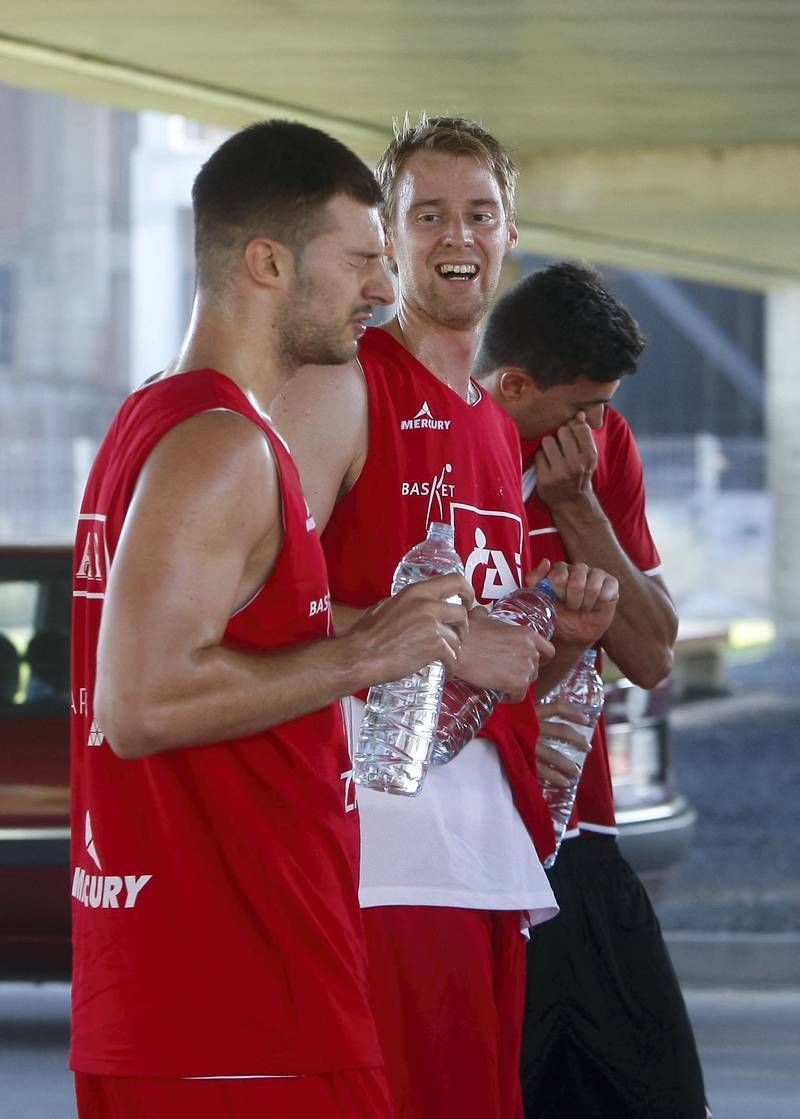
[{"x": 783, "y": 428}]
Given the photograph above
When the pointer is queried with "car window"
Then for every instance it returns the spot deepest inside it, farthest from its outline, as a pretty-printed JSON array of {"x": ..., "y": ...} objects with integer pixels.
[{"x": 34, "y": 647}]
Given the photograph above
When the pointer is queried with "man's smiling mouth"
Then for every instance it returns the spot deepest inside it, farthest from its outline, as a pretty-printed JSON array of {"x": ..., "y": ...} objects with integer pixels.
[{"x": 459, "y": 272}]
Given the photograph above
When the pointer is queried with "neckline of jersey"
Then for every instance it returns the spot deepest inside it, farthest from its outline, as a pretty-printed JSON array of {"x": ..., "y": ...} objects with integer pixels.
[{"x": 377, "y": 332}]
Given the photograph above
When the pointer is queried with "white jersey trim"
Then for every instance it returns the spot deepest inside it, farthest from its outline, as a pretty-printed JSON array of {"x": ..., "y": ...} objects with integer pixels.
[
  {"x": 256, "y": 1076},
  {"x": 601, "y": 829}
]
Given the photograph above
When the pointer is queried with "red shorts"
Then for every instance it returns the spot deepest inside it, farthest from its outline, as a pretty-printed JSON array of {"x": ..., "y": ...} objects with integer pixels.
[
  {"x": 447, "y": 988},
  {"x": 356, "y": 1094}
]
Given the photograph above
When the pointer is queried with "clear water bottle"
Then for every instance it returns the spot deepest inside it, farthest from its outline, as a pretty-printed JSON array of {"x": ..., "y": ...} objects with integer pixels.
[
  {"x": 464, "y": 708},
  {"x": 582, "y": 687},
  {"x": 400, "y": 718}
]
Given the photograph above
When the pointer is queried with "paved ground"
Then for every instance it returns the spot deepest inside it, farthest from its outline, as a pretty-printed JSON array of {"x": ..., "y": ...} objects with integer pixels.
[
  {"x": 737, "y": 760},
  {"x": 748, "y": 1043}
]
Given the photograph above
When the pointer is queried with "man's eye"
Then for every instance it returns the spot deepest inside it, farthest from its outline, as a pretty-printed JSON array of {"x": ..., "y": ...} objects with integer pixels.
[
  {"x": 428, "y": 217},
  {"x": 484, "y": 217}
]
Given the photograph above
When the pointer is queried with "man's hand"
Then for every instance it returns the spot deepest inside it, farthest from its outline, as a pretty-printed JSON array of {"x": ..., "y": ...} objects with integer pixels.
[
  {"x": 550, "y": 764},
  {"x": 402, "y": 634},
  {"x": 588, "y": 598},
  {"x": 501, "y": 656},
  {"x": 565, "y": 463}
]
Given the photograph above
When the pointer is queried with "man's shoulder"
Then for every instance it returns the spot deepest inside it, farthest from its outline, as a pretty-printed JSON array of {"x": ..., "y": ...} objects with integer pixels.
[
  {"x": 380, "y": 354},
  {"x": 616, "y": 445},
  {"x": 616, "y": 427}
]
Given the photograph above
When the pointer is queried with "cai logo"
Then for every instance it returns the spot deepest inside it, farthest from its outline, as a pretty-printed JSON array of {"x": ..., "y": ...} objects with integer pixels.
[{"x": 91, "y": 557}]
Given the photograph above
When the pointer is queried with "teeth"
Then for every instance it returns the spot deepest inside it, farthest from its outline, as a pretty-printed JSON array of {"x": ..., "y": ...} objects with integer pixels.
[{"x": 458, "y": 269}]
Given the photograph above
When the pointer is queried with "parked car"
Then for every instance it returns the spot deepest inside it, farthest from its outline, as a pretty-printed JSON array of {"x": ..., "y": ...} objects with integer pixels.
[
  {"x": 656, "y": 824},
  {"x": 35, "y": 603}
]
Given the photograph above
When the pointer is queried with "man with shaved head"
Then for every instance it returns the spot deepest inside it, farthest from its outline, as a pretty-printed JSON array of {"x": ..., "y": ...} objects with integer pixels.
[{"x": 219, "y": 962}]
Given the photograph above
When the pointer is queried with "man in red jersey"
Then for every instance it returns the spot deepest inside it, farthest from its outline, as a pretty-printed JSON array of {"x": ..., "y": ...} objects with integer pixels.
[
  {"x": 219, "y": 954},
  {"x": 399, "y": 440},
  {"x": 606, "y": 1030}
]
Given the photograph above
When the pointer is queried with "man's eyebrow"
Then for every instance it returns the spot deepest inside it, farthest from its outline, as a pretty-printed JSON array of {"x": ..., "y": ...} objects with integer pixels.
[
  {"x": 367, "y": 254},
  {"x": 441, "y": 202}
]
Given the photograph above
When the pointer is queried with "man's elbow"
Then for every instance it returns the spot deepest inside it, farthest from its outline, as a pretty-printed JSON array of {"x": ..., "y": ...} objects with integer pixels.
[
  {"x": 129, "y": 730},
  {"x": 649, "y": 670}
]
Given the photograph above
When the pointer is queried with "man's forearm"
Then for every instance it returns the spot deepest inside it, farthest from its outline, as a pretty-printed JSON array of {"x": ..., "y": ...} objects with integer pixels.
[
  {"x": 643, "y": 631},
  {"x": 345, "y": 617},
  {"x": 223, "y": 694}
]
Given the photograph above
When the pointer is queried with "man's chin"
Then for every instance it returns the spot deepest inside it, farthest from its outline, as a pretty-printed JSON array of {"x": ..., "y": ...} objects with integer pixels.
[{"x": 465, "y": 316}]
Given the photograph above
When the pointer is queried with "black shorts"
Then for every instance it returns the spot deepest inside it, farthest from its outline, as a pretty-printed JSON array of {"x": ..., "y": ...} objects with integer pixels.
[{"x": 606, "y": 1033}]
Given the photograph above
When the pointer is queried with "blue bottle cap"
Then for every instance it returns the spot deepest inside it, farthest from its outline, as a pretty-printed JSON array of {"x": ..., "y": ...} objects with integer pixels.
[{"x": 547, "y": 588}]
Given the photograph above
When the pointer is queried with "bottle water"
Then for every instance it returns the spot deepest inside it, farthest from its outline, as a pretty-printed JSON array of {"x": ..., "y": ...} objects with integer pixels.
[
  {"x": 464, "y": 708},
  {"x": 582, "y": 687},
  {"x": 400, "y": 717}
]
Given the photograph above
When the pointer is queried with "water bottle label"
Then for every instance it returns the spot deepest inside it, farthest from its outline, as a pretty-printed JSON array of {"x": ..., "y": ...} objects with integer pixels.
[{"x": 584, "y": 731}]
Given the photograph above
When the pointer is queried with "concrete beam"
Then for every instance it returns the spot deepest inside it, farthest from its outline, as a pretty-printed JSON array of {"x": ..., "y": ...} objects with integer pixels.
[
  {"x": 741, "y": 178},
  {"x": 723, "y": 214}
]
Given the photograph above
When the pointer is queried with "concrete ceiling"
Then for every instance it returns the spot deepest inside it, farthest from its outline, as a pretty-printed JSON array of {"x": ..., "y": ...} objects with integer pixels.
[{"x": 650, "y": 133}]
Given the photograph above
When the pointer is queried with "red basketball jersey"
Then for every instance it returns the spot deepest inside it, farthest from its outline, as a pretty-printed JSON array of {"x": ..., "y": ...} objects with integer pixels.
[
  {"x": 434, "y": 457},
  {"x": 216, "y": 921},
  {"x": 619, "y": 484}
]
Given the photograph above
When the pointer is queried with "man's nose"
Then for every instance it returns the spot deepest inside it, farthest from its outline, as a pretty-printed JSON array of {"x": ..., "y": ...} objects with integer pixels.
[
  {"x": 457, "y": 231},
  {"x": 595, "y": 416},
  {"x": 379, "y": 289}
]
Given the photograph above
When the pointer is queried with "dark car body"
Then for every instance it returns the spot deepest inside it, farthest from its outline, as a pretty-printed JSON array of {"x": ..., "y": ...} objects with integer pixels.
[
  {"x": 35, "y": 599},
  {"x": 35, "y": 606}
]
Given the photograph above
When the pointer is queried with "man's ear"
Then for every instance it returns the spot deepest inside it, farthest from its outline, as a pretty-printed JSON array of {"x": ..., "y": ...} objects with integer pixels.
[
  {"x": 269, "y": 263},
  {"x": 388, "y": 250},
  {"x": 514, "y": 384},
  {"x": 513, "y": 237}
]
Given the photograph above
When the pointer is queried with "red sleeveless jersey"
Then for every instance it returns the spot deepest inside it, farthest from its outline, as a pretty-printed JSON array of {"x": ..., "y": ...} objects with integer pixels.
[
  {"x": 216, "y": 922},
  {"x": 618, "y": 483},
  {"x": 434, "y": 457}
]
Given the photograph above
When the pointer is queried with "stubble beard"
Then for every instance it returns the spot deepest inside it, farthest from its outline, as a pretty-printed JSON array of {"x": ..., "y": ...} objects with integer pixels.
[
  {"x": 306, "y": 337},
  {"x": 439, "y": 308}
]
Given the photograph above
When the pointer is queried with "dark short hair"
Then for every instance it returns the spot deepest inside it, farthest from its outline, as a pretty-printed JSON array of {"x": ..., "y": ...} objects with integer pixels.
[
  {"x": 272, "y": 179},
  {"x": 560, "y": 324}
]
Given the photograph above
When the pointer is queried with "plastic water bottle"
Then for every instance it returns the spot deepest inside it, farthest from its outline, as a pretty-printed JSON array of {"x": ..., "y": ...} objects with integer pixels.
[
  {"x": 465, "y": 708},
  {"x": 582, "y": 687},
  {"x": 400, "y": 718}
]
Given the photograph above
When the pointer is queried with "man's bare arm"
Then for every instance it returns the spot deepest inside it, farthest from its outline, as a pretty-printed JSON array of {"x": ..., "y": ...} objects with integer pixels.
[
  {"x": 323, "y": 416},
  {"x": 642, "y": 634},
  {"x": 201, "y": 536}
]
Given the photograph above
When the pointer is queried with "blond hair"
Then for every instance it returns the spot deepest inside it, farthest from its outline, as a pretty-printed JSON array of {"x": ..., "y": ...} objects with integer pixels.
[{"x": 452, "y": 136}]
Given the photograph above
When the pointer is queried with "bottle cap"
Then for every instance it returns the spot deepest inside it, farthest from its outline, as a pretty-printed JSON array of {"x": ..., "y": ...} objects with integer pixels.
[
  {"x": 547, "y": 588},
  {"x": 442, "y": 530}
]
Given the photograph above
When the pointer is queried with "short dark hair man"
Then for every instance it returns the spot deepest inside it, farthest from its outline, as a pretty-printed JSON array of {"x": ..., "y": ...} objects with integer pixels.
[
  {"x": 219, "y": 957},
  {"x": 606, "y": 1030}
]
